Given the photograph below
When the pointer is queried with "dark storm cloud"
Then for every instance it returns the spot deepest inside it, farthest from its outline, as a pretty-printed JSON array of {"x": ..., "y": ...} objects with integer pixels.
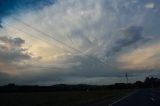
[
  {"x": 18, "y": 41},
  {"x": 86, "y": 70},
  {"x": 11, "y": 49},
  {"x": 132, "y": 35},
  {"x": 12, "y": 41},
  {"x": 88, "y": 67}
]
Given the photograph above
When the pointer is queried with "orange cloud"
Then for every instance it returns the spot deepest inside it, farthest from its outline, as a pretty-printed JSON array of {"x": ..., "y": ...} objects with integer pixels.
[{"x": 141, "y": 58}]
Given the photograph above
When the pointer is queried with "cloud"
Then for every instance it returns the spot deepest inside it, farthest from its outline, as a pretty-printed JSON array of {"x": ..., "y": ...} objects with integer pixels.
[
  {"x": 143, "y": 58},
  {"x": 15, "y": 42},
  {"x": 12, "y": 53},
  {"x": 1, "y": 24},
  {"x": 150, "y": 5},
  {"x": 97, "y": 28},
  {"x": 132, "y": 35}
]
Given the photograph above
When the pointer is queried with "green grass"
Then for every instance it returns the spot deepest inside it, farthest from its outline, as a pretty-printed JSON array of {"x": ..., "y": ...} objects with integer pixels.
[{"x": 75, "y": 98}]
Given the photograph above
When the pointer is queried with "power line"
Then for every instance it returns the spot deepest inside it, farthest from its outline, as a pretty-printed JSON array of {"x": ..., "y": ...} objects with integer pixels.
[
  {"x": 61, "y": 42},
  {"x": 69, "y": 37},
  {"x": 39, "y": 67},
  {"x": 43, "y": 33},
  {"x": 45, "y": 41},
  {"x": 33, "y": 36}
]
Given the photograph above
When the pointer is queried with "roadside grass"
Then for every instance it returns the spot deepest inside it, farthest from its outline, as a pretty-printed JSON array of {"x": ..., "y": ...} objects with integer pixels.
[{"x": 73, "y": 98}]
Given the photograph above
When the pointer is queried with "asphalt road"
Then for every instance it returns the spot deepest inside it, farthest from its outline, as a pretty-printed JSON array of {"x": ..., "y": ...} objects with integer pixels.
[{"x": 140, "y": 98}]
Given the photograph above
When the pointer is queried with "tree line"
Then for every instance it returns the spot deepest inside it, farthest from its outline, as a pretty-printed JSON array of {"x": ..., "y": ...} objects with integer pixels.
[{"x": 149, "y": 82}]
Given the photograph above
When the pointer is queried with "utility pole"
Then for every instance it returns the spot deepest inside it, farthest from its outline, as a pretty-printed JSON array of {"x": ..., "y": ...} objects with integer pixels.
[{"x": 126, "y": 75}]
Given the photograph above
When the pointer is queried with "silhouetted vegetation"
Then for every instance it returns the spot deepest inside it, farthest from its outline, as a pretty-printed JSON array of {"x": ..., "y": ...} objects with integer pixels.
[
  {"x": 70, "y": 95},
  {"x": 149, "y": 82}
]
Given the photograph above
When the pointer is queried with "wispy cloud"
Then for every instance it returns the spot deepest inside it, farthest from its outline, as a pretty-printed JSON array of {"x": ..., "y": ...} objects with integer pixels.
[
  {"x": 116, "y": 29},
  {"x": 144, "y": 58}
]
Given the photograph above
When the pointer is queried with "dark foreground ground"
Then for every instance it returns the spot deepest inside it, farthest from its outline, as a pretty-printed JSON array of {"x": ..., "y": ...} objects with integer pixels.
[
  {"x": 144, "y": 97},
  {"x": 68, "y": 98}
]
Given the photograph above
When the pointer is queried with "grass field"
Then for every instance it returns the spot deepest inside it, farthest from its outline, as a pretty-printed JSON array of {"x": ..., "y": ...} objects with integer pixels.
[{"x": 74, "y": 98}]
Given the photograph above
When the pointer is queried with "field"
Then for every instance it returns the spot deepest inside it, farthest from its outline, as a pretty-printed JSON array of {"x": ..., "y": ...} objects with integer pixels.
[{"x": 72, "y": 98}]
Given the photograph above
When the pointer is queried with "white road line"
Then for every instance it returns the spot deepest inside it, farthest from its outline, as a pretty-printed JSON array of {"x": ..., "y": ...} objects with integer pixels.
[{"x": 122, "y": 98}]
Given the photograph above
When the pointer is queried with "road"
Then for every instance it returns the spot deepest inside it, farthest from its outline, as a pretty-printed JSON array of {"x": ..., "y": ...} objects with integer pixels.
[{"x": 140, "y": 98}]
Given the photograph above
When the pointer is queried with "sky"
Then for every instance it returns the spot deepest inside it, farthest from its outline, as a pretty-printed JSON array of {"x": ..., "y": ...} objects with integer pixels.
[{"x": 50, "y": 42}]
